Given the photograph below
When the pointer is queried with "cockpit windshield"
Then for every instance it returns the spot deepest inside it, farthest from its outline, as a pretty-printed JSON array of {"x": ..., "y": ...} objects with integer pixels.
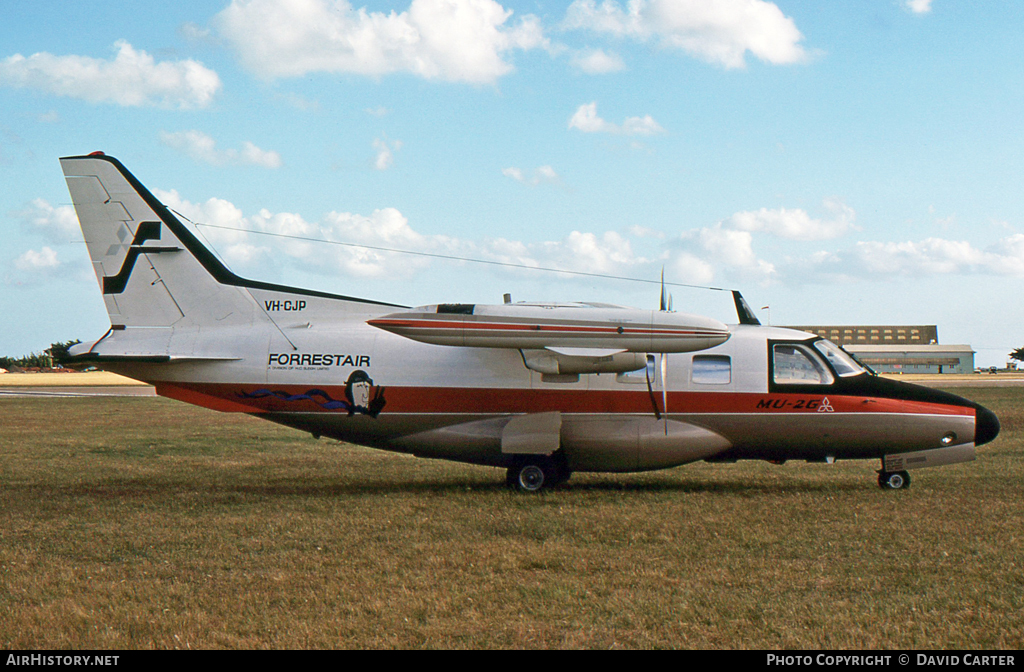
[{"x": 842, "y": 362}]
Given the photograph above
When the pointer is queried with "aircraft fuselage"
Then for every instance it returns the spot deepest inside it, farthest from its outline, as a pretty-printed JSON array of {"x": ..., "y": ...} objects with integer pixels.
[{"x": 452, "y": 403}]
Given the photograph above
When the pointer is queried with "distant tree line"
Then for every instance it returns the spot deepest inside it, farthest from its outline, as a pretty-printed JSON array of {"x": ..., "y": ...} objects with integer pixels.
[
  {"x": 55, "y": 355},
  {"x": 1018, "y": 354}
]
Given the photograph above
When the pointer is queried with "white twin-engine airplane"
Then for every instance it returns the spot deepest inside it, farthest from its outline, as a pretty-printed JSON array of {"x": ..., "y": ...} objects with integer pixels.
[{"x": 540, "y": 389}]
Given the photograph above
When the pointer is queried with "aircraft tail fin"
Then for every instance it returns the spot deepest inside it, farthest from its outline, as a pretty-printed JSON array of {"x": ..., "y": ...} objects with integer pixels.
[{"x": 152, "y": 270}]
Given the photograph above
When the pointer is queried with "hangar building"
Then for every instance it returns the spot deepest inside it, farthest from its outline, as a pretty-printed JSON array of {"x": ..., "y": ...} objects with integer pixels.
[{"x": 899, "y": 348}]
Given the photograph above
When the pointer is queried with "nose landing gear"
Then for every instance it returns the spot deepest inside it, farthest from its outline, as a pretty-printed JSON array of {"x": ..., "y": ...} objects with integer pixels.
[{"x": 893, "y": 480}]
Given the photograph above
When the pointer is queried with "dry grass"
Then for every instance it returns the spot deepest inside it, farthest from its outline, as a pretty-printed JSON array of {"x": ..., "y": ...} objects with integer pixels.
[{"x": 144, "y": 523}]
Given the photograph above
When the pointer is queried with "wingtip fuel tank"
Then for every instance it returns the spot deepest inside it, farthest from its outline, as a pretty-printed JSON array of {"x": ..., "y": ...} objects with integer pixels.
[{"x": 555, "y": 325}]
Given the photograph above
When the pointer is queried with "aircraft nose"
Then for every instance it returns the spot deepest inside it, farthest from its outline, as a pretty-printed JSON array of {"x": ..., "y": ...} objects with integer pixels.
[{"x": 986, "y": 426}]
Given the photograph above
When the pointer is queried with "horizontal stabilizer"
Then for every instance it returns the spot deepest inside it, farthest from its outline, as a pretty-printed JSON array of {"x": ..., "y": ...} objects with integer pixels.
[
  {"x": 149, "y": 359},
  {"x": 143, "y": 346}
]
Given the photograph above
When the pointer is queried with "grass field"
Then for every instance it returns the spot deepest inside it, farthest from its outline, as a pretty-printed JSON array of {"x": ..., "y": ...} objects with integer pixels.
[{"x": 146, "y": 523}]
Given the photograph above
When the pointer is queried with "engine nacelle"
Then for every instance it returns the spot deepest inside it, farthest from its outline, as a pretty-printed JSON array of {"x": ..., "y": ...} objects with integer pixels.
[{"x": 636, "y": 444}]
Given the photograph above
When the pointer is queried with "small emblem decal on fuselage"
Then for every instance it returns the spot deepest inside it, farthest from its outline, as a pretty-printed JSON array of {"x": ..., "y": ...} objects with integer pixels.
[{"x": 362, "y": 396}]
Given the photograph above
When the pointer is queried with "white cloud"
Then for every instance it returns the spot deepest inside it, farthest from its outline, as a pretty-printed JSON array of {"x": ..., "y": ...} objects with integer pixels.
[
  {"x": 131, "y": 79},
  {"x": 607, "y": 252},
  {"x": 514, "y": 173},
  {"x": 730, "y": 242},
  {"x": 1006, "y": 257},
  {"x": 385, "y": 152},
  {"x": 547, "y": 173},
  {"x": 919, "y": 6},
  {"x": 597, "y": 62},
  {"x": 644, "y": 125},
  {"x": 735, "y": 250},
  {"x": 587, "y": 252},
  {"x": 254, "y": 156},
  {"x": 453, "y": 40},
  {"x": 597, "y": 254},
  {"x": 386, "y": 227},
  {"x": 796, "y": 224},
  {"x": 202, "y": 147},
  {"x": 717, "y": 31},
  {"x": 878, "y": 260},
  {"x": 540, "y": 174},
  {"x": 932, "y": 255},
  {"x": 196, "y": 34},
  {"x": 646, "y": 232},
  {"x": 937, "y": 256},
  {"x": 59, "y": 224},
  {"x": 691, "y": 269},
  {"x": 43, "y": 260},
  {"x": 586, "y": 120}
]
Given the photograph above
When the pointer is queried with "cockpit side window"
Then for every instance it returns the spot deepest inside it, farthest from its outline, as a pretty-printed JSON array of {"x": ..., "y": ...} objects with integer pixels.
[
  {"x": 795, "y": 364},
  {"x": 840, "y": 360}
]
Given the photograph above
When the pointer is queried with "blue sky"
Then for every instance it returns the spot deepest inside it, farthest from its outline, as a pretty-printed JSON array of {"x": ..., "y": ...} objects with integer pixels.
[{"x": 841, "y": 162}]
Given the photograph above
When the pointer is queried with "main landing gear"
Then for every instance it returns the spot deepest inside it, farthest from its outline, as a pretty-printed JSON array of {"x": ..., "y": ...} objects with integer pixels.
[
  {"x": 893, "y": 480},
  {"x": 534, "y": 473}
]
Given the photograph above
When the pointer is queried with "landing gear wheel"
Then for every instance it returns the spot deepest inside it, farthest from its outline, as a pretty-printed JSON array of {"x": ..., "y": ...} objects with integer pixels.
[
  {"x": 534, "y": 474},
  {"x": 893, "y": 480}
]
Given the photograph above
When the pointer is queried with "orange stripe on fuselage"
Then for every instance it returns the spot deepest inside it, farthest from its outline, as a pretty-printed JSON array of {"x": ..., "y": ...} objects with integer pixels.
[
  {"x": 208, "y": 396},
  {"x": 455, "y": 400}
]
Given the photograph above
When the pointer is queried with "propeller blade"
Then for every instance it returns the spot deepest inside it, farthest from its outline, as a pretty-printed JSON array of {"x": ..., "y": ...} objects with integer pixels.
[
  {"x": 664, "y": 297},
  {"x": 664, "y": 389},
  {"x": 650, "y": 371}
]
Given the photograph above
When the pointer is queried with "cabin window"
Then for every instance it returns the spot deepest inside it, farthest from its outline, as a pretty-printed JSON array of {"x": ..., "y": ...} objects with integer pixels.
[
  {"x": 796, "y": 365},
  {"x": 711, "y": 369}
]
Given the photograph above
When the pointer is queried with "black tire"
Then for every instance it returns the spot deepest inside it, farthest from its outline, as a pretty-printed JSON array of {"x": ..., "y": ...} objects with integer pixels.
[
  {"x": 893, "y": 480},
  {"x": 533, "y": 474}
]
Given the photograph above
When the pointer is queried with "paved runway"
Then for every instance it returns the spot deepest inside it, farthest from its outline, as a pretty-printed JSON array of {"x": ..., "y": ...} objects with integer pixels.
[
  {"x": 80, "y": 391},
  {"x": 992, "y": 381}
]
